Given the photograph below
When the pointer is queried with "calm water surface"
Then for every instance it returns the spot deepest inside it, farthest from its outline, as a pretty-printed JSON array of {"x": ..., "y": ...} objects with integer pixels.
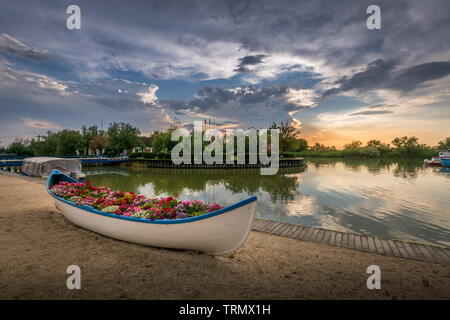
[{"x": 397, "y": 200}]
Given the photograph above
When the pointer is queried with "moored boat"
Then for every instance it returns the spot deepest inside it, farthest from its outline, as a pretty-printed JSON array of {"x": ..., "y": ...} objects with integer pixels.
[
  {"x": 445, "y": 162},
  {"x": 42, "y": 167},
  {"x": 217, "y": 232},
  {"x": 437, "y": 161}
]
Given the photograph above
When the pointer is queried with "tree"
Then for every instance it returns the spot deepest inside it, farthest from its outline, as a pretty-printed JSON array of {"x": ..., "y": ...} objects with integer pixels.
[
  {"x": 147, "y": 141},
  {"x": 380, "y": 146},
  {"x": 98, "y": 144},
  {"x": 123, "y": 137},
  {"x": 288, "y": 135},
  {"x": 322, "y": 148},
  {"x": 161, "y": 141},
  {"x": 69, "y": 142},
  {"x": 302, "y": 145},
  {"x": 353, "y": 145},
  {"x": 88, "y": 134},
  {"x": 444, "y": 144},
  {"x": 409, "y": 145},
  {"x": 20, "y": 148}
]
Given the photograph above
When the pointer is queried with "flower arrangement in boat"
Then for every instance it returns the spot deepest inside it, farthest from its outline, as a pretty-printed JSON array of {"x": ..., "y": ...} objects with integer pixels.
[{"x": 129, "y": 204}]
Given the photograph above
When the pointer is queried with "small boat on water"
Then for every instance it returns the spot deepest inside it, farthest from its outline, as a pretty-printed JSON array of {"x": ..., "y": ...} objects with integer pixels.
[
  {"x": 437, "y": 161},
  {"x": 218, "y": 232},
  {"x": 445, "y": 162}
]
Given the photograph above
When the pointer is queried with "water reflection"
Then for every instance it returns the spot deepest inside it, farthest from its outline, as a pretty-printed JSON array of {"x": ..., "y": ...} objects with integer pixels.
[{"x": 390, "y": 199}]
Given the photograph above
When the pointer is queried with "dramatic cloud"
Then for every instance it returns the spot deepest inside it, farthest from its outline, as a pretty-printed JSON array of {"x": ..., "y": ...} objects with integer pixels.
[
  {"x": 242, "y": 62},
  {"x": 14, "y": 47},
  {"x": 382, "y": 74},
  {"x": 411, "y": 78},
  {"x": 249, "y": 61}
]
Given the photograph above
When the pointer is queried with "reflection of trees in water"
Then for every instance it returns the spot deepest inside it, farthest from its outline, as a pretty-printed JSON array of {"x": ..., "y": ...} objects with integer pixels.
[
  {"x": 407, "y": 169},
  {"x": 281, "y": 186}
]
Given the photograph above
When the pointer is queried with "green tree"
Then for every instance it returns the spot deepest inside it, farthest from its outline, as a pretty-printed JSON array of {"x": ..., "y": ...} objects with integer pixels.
[
  {"x": 88, "y": 135},
  {"x": 288, "y": 135},
  {"x": 47, "y": 146},
  {"x": 69, "y": 142},
  {"x": 380, "y": 146},
  {"x": 302, "y": 145},
  {"x": 161, "y": 141},
  {"x": 20, "y": 148},
  {"x": 353, "y": 145},
  {"x": 444, "y": 144},
  {"x": 123, "y": 137},
  {"x": 322, "y": 148},
  {"x": 409, "y": 145}
]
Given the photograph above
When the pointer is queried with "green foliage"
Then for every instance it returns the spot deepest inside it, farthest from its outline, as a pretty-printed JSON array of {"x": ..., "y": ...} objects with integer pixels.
[
  {"x": 99, "y": 143},
  {"x": 144, "y": 155},
  {"x": 68, "y": 142},
  {"x": 444, "y": 144},
  {"x": 288, "y": 137},
  {"x": 161, "y": 141},
  {"x": 20, "y": 148},
  {"x": 409, "y": 146},
  {"x": 322, "y": 148},
  {"x": 122, "y": 136},
  {"x": 353, "y": 145},
  {"x": 90, "y": 134},
  {"x": 365, "y": 152},
  {"x": 380, "y": 146}
]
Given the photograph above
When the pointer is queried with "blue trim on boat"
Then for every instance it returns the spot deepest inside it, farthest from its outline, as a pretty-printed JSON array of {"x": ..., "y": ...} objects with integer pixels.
[
  {"x": 56, "y": 173},
  {"x": 445, "y": 162}
]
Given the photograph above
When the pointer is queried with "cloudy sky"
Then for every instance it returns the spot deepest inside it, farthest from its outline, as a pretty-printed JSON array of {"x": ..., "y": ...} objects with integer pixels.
[{"x": 241, "y": 63}]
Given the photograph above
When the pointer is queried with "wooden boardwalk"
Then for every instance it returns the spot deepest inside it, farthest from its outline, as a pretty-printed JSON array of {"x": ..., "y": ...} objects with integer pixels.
[{"x": 396, "y": 248}]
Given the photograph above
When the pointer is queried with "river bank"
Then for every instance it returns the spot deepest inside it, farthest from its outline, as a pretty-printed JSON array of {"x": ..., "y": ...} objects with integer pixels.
[{"x": 38, "y": 244}]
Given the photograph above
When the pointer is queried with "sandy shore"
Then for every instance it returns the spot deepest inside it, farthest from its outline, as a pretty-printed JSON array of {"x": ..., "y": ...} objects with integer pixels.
[{"x": 37, "y": 244}]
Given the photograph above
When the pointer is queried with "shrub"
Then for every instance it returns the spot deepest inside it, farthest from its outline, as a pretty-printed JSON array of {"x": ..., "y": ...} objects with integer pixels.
[{"x": 136, "y": 155}]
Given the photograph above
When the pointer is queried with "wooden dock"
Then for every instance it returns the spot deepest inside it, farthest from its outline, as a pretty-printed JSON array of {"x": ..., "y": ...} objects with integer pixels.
[{"x": 396, "y": 248}]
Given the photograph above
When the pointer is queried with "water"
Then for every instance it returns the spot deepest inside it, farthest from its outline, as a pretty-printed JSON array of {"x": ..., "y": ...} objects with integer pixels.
[{"x": 390, "y": 199}]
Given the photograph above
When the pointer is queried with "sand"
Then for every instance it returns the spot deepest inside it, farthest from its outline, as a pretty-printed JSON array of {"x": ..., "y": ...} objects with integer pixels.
[{"x": 37, "y": 244}]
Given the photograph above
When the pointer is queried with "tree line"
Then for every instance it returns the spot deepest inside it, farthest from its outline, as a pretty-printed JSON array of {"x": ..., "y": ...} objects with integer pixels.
[
  {"x": 122, "y": 137},
  {"x": 401, "y": 146},
  {"x": 118, "y": 138}
]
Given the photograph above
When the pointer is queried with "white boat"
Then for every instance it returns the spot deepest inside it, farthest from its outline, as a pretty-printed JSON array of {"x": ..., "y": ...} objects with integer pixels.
[{"x": 218, "y": 232}]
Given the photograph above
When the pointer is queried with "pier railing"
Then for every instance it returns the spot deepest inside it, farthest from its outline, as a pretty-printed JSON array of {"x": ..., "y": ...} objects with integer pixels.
[
  {"x": 15, "y": 165},
  {"x": 160, "y": 163}
]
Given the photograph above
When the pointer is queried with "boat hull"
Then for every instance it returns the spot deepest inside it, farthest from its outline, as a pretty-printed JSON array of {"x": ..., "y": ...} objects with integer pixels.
[
  {"x": 218, "y": 234},
  {"x": 445, "y": 162}
]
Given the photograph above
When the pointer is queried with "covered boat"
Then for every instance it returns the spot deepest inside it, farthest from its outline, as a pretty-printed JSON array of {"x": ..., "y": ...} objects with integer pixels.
[
  {"x": 42, "y": 167},
  {"x": 217, "y": 232}
]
